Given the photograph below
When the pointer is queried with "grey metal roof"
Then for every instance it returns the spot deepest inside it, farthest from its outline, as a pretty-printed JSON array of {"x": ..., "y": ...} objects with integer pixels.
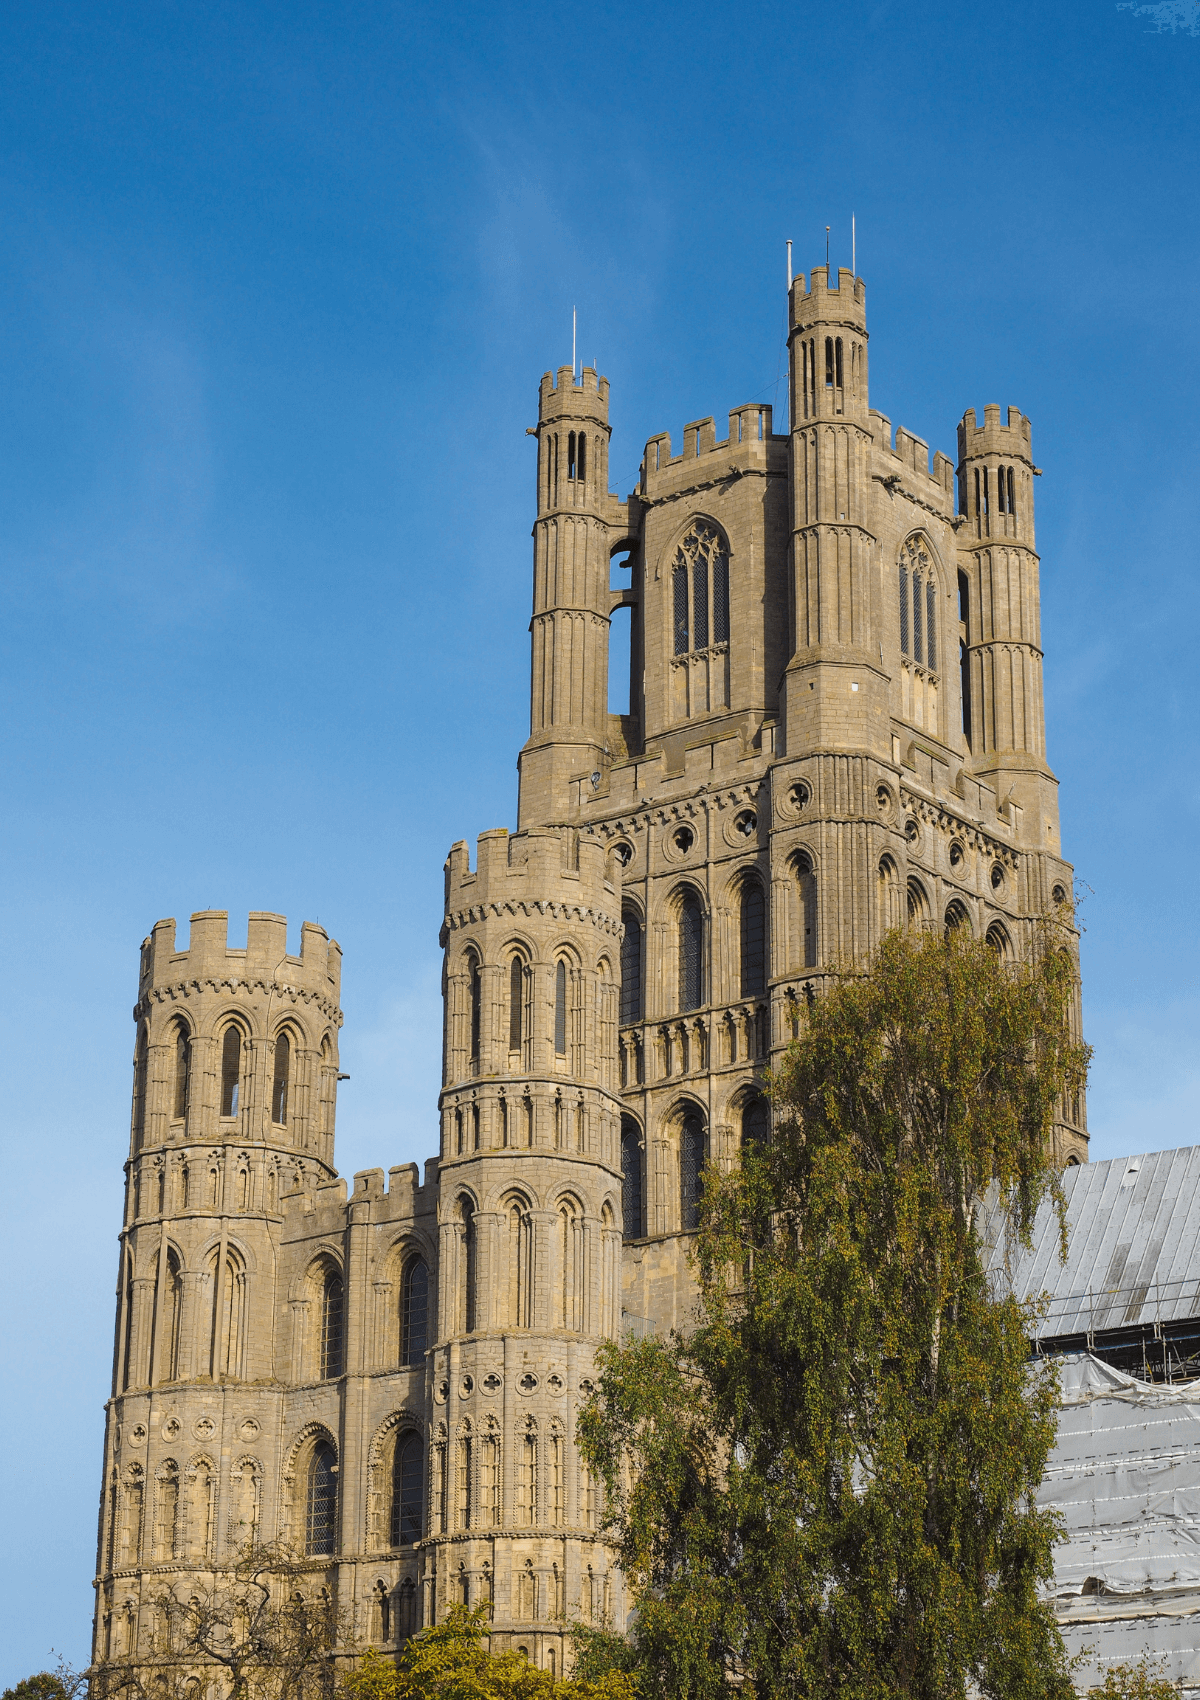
[{"x": 1133, "y": 1246}]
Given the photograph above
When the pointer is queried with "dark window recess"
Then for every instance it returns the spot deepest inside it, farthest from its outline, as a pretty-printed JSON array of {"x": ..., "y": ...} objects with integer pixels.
[
  {"x": 931, "y": 626},
  {"x": 632, "y": 1224},
  {"x": 918, "y": 646},
  {"x": 806, "y": 874},
  {"x": 680, "y": 591},
  {"x": 838, "y": 353},
  {"x": 753, "y": 928},
  {"x": 721, "y": 599},
  {"x": 700, "y": 603},
  {"x": 582, "y": 473},
  {"x": 183, "y": 1067},
  {"x": 904, "y": 611},
  {"x": 414, "y": 1320},
  {"x": 691, "y": 948},
  {"x": 964, "y": 667},
  {"x": 476, "y": 1007},
  {"x": 964, "y": 603},
  {"x": 691, "y": 1167},
  {"x": 407, "y": 1491},
  {"x": 332, "y": 1315},
  {"x": 631, "y": 970},
  {"x": 469, "y": 1251},
  {"x": 516, "y": 999},
  {"x": 279, "y": 1085},
  {"x": 571, "y": 455},
  {"x": 321, "y": 1512},
  {"x": 1012, "y": 502},
  {"x": 231, "y": 1070},
  {"x": 829, "y": 362},
  {"x": 1001, "y": 490},
  {"x": 560, "y": 1010},
  {"x": 756, "y": 1123}
]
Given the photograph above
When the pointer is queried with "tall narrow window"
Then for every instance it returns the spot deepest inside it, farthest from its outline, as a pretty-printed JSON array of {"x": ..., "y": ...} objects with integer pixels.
[
  {"x": 231, "y": 1070},
  {"x": 918, "y": 646},
  {"x": 904, "y": 650},
  {"x": 812, "y": 370},
  {"x": 183, "y": 1066},
  {"x": 476, "y": 1004},
  {"x": 679, "y": 591},
  {"x": 631, "y": 969},
  {"x": 464, "y": 1480},
  {"x": 720, "y": 571},
  {"x": 700, "y": 603},
  {"x": 582, "y": 457},
  {"x": 806, "y": 877},
  {"x": 140, "y": 1074},
  {"x": 468, "y": 1257},
  {"x": 632, "y": 1225},
  {"x": 986, "y": 508},
  {"x": 838, "y": 352},
  {"x": 557, "y": 1483},
  {"x": 527, "y": 1475},
  {"x": 1012, "y": 500},
  {"x": 414, "y": 1312},
  {"x": 931, "y": 626},
  {"x": 1001, "y": 492},
  {"x": 691, "y": 952},
  {"x": 753, "y": 939},
  {"x": 516, "y": 1002},
  {"x": 321, "y": 1511},
  {"x": 691, "y": 1167},
  {"x": 560, "y": 1009},
  {"x": 489, "y": 1479},
  {"x": 978, "y": 509},
  {"x": 279, "y": 1085},
  {"x": 571, "y": 455},
  {"x": 169, "y": 1317},
  {"x": 829, "y": 362},
  {"x": 332, "y": 1317}
]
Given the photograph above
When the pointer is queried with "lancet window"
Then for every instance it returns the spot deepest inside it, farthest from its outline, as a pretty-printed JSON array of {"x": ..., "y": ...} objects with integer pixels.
[
  {"x": 753, "y": 938},
  {"x": 631, "y": 968},
  {"x": 632, "y": 1213},
  {"x": 406, "y": 1491},
  {"x": 281, "y": 1080},
  {"x": 691, "y": 951},
  {"x": 700, "y": 590},
  {"x": 691, "y": 1168},
  {"x": 320, "y": 1532},
  {"x": 918, "y": 605},
  {"x": 414, "y": 1312},
  {"x": 332, "y": 1326},
  {"x": 231, "y": 1069}
]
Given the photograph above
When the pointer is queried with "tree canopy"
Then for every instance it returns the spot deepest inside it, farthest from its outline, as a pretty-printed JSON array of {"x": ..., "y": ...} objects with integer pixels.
[{"x": 827, "y": 1489}]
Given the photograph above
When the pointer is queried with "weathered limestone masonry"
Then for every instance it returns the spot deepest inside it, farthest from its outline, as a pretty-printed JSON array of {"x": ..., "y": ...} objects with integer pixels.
[{"x": 835, "y": 727}]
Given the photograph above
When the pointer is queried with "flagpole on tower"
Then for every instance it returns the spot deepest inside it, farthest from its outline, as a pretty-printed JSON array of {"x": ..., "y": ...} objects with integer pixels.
[{"x": 572, "y": 345}]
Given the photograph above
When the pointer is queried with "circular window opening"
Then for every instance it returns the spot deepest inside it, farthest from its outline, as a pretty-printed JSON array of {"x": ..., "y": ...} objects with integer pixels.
[
  {"x": 911, "y": 831},
  {"x": 624, "y": 853},
  {"x": 684, "y": 839},
  {"x": 997, "y": 876},
  {"x": 957, "y": 858},
  {"x": 800, "y": 795},
  {"x": 883, "y": 799},
  {"x": 746, "y": 822}
]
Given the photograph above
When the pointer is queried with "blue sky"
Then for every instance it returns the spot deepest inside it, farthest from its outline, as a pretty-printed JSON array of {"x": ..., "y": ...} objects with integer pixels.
[{"x": 277, "y": 285}]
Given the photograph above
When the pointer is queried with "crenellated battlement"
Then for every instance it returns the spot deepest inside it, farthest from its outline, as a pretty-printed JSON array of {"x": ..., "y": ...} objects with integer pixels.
[
  {"x": 560, "y": 397},
  {"x": 209, "y": 956},
  {"x": 533, "y": 871},
  {"x": 751, "y": 429},
  {"x": 846, "y": 303},
  {"x": 1014, "y": 441}
]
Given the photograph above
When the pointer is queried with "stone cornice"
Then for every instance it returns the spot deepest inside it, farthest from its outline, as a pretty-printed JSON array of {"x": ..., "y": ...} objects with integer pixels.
[
  {"x": 529, "y": 907},
  {"x": 216, "y": 985}
]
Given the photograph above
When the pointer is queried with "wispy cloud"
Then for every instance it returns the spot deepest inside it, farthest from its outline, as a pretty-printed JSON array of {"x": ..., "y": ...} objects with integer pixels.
[{"x": 1168, "y": 17}]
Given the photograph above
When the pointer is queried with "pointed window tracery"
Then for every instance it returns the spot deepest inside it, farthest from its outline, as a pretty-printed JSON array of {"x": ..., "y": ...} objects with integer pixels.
[{"x": 700, "y": 590}]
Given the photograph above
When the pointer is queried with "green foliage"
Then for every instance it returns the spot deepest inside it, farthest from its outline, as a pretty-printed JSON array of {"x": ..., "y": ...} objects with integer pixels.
[
  {"x": 827, "y": 1490},
  {"x": 62, "y": 1683},
  {"x": 1139, "y": 1680},
  {"x": 451, "y": 1662}
]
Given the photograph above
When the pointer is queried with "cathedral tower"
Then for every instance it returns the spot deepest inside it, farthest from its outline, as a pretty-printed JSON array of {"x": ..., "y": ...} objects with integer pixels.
[{"x": 529, "y": 1227}]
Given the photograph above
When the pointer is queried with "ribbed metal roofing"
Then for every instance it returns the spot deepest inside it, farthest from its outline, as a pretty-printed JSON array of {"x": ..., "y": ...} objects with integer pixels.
[{"x": 1133, "y": 1246}]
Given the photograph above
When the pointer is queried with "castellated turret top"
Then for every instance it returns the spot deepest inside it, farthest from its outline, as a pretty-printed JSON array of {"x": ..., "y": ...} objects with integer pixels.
[
  {"x": 1014, "y": 441},
  {"x": 846, "y": 303},
  {"x": 208, "y": 957},
  {"x": 566, "y": 399},
  {"x": 532, "y": 871}
]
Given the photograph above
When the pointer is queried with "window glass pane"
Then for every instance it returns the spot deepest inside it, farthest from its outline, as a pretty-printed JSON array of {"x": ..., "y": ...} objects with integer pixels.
[
  {"x": 321, "y": 1520},
  {"x": 560, "y": 1010},
  {"x": 680, "y": 592},
  {"x": 331, "y": 1328},
  {"x": 691, "y": 938},
  {"x": 279, "y": 1088},
  {"x": 231, "y": 1068},
  {"x": 691, "y": 1163},
  {"x": 753, "y": 939},
  {"x": 631, "y": 1181},
  {"x": 721, "y": 599},
  {"x": 700, "y": 602},
  {"x": 416, "y": 1312},
  {"x": 631, "y": 970}
]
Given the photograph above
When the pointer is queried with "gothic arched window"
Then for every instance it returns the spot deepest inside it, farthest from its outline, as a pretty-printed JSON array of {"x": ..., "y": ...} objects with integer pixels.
[
  {"x": 806, "y": 880},
  {"x": 282, "y": 1077},
  {"x": 691, "y": 1167},
  {"x": 756, "y": 1123},
  {"x": 183, "y": 1066},
  {"x": 332, "y": 1326},
  {"x": 700, "y": 590},
  {"x": 632, "y": 1224},
  {"x": 753, "y": 938},
  {"x": 475, "y": 978},
  {"x": 517, "y": 976},
  {"x": 467, "y": 1216},
  {"x": 918, "y": 602},
  {"x": 414, "y": 1312},
  {"x": 691, "y": 951},
  {"x": 231, "y": 1069},
  {"x": 407, "y": 1491},
  {"x": 631, "y": 968},
  {"x": 560, "y": 1009},
  {"x": 320, "y": 1521}
]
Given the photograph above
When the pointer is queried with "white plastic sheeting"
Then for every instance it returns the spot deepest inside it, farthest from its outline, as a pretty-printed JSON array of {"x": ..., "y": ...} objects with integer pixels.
[{"x": 1125, "y": 1477}]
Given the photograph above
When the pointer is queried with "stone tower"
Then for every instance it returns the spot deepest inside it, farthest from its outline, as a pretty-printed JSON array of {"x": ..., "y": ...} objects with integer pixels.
[{"x": 835, "y": 727}]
